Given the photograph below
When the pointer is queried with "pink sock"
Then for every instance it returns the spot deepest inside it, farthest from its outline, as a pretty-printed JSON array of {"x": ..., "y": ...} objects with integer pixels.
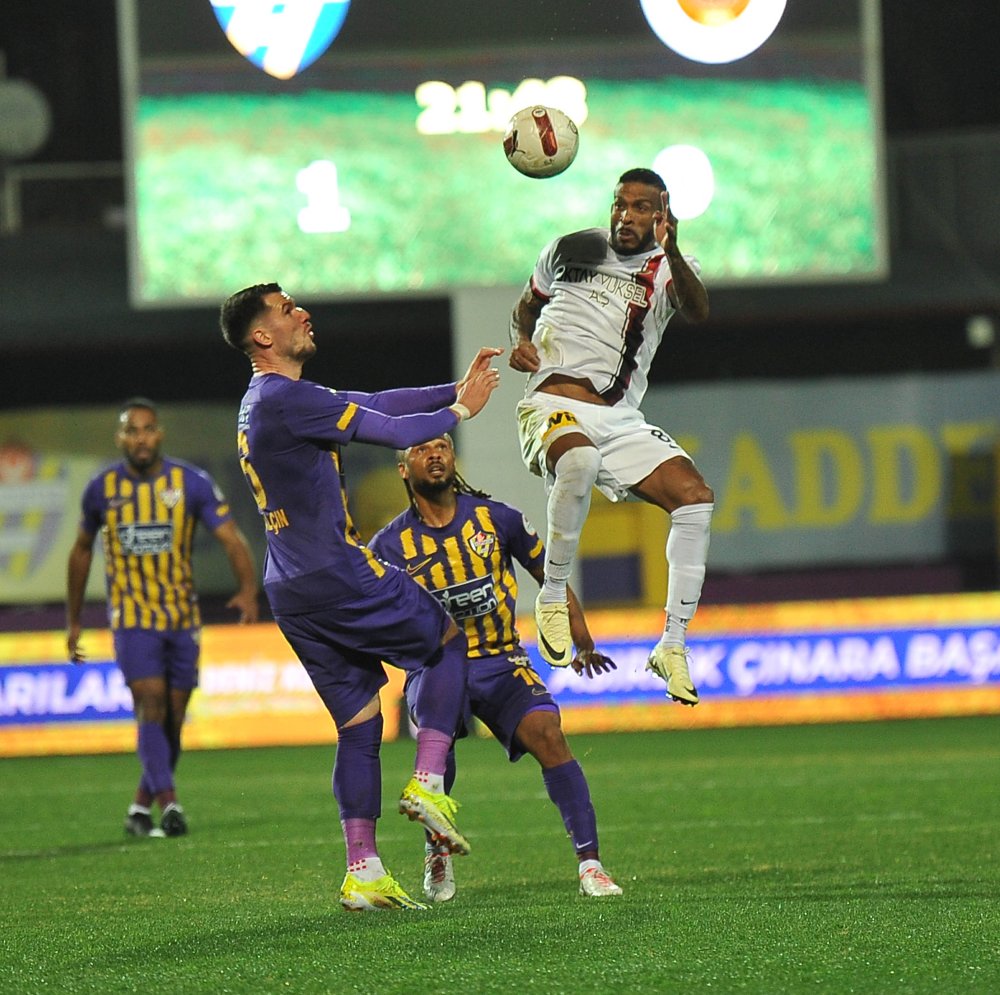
[
  {"x": 432, "y": 751},
  {"x": 359, "y": 835}
]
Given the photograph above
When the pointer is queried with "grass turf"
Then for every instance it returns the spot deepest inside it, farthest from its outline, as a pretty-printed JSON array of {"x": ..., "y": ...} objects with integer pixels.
[{"x": 856, "y": 858}]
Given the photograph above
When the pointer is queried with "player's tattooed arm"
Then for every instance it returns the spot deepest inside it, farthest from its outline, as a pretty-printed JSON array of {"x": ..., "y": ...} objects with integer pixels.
[
  {"x": 523, "y": 354},
  {"x": 687, "y": 293}
]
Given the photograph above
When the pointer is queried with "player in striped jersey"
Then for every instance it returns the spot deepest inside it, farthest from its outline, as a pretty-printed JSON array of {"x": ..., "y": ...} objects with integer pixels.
[
  {"x": 146, "y": 509},
  {"x": 461, "y": 545},
  {"x": 585, "y": 330}
]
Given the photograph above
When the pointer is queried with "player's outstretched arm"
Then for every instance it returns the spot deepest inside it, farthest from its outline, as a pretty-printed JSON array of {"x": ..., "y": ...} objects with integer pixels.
[
  {"x": 484, "y": 357},
  {"x": 78, "y": 570},
  {"x": 475, "y": 392}
]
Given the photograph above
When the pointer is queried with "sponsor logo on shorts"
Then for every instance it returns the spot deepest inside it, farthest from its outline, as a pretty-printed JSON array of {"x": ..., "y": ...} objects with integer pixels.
[{"x": 558, "y": 419}]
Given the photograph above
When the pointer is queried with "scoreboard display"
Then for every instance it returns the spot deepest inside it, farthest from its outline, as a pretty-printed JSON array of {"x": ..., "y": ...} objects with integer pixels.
[{"x": 353, "y": 149}]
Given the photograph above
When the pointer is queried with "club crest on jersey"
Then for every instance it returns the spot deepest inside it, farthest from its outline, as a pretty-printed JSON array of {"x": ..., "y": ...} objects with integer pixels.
[
  {"x": 282, "y": 39},
  {"x": 482, "y": 543},
  {"x": 170, "y": 496}
]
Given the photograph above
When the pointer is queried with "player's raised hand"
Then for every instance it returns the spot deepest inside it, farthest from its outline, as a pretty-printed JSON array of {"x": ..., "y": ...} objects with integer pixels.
[
  {"x": 665, "y": 228},
  {"x": 591, "y": 663},
  {"x": 482, "y": 362},
  {"x": 475, "y": 391}
]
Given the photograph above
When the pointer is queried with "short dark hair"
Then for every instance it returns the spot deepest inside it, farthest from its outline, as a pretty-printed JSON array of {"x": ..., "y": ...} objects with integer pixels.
[
  {"x": 239, "y": 311},
  {"x": 137, "y": 402},
  {"x": 640, "y": 175}
]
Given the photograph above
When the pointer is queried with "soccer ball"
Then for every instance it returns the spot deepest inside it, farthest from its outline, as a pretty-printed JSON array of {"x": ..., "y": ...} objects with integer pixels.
[{"x": 540, "y": 141}]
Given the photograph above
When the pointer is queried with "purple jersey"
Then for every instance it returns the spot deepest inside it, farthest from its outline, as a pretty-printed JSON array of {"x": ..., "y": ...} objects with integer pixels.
[
  {"x": 289, "y": 439},
  {"x": 147, "y": 527},
  {"x": 468, "y": 565}
]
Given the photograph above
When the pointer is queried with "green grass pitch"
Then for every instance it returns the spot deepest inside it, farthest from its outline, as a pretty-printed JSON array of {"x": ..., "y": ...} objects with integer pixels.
[{"x": 858, "y": 858}]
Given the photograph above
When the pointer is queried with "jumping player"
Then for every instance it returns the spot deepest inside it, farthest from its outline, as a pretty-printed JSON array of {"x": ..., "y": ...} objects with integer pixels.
[
  {"x": 460, "y": 545},
  {"x": 342, "y": 610},
  {"x": 585, "y": 330}
]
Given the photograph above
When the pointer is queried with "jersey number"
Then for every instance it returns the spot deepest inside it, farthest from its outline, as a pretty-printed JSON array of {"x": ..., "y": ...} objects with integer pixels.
[{"x": 256, "y": 488}]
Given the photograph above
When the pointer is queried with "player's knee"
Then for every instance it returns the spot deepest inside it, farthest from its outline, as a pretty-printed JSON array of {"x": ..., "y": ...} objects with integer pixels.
[
  {"x": 577, "y": 468},
  {"x": 695, "y": 491},
  {"x": 545, "y": 740}
]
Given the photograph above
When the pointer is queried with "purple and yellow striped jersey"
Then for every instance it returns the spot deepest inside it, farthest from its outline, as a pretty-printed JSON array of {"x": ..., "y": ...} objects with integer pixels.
[
  {"x": 289, "y": 437},
  {"x": 147, "y": 528},
  {"x": 468, "y": 565}
]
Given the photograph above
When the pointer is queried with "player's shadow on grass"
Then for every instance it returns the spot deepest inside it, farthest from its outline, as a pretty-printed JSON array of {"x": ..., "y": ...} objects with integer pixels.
[{"x": 74, "y": 850}]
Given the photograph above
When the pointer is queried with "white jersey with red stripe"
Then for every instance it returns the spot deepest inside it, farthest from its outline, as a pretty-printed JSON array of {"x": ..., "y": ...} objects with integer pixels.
[{"x": 604, "y": 313}]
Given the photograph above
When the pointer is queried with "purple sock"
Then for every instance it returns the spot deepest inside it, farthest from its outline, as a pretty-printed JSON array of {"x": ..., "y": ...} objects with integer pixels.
[
  {"x": 154, "y": 755},
  {"x": 441, "y": 695},
  {"x": 433, "y": 748},
  {"x": 357, "y": 771},
  {"x": 567, "y": 787},
  {"x": 450, "y": 770},
  {"x": 359, "y": 836}
]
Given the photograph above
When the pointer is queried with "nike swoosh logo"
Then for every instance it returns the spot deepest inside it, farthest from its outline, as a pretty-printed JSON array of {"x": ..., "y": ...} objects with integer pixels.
[
  {"x": 555, "y": 656},
  {"x": 411, "y": 570},
  {"x": 683, "y": 602}
]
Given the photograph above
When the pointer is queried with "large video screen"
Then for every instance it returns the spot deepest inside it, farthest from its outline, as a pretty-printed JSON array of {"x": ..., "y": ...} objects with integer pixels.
[{"x": 354, "y": 149}]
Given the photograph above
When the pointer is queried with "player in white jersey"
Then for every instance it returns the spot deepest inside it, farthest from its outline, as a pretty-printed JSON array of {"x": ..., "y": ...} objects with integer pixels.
[{"x": 585, "y": 330}]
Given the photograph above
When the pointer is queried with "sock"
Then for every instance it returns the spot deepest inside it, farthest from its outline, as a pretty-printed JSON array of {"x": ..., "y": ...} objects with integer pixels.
[
  {"x": 154, "y": 755},
  {"x": 359, "y": 837},
  {"x": 174, "y": 739},
  {"x": 568, "y": 505},
  {"x": 567, "y": 787},
  {"x": 440, "y": 697},
  {"x": 450, "y": 770},
  {"x": 367, "y": 868},
  {"x": 136, "y": 809},
  {"x": 687, "y": 551},
  {"x": 433, "y": 748},
  {"x": 357, "y": 770}
]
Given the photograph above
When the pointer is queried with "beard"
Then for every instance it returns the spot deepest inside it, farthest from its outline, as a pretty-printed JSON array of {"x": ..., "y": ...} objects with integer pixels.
[{"x": 433, "y": 487}]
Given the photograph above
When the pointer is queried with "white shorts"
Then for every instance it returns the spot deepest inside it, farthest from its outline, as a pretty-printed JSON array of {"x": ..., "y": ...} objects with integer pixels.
[{"x": 630, "y": 448}]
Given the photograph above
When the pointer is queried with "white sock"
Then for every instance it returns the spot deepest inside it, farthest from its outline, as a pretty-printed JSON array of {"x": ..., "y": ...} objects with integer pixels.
[
  {"x": 687, "y": 551},
  {"x": 135, "y": 809},
  {"x": 589, "y": 865},
  {"x": 434, "y": 783},
  {"x": 569, "y": 503},
  {"x": 367, "y": 869}
]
